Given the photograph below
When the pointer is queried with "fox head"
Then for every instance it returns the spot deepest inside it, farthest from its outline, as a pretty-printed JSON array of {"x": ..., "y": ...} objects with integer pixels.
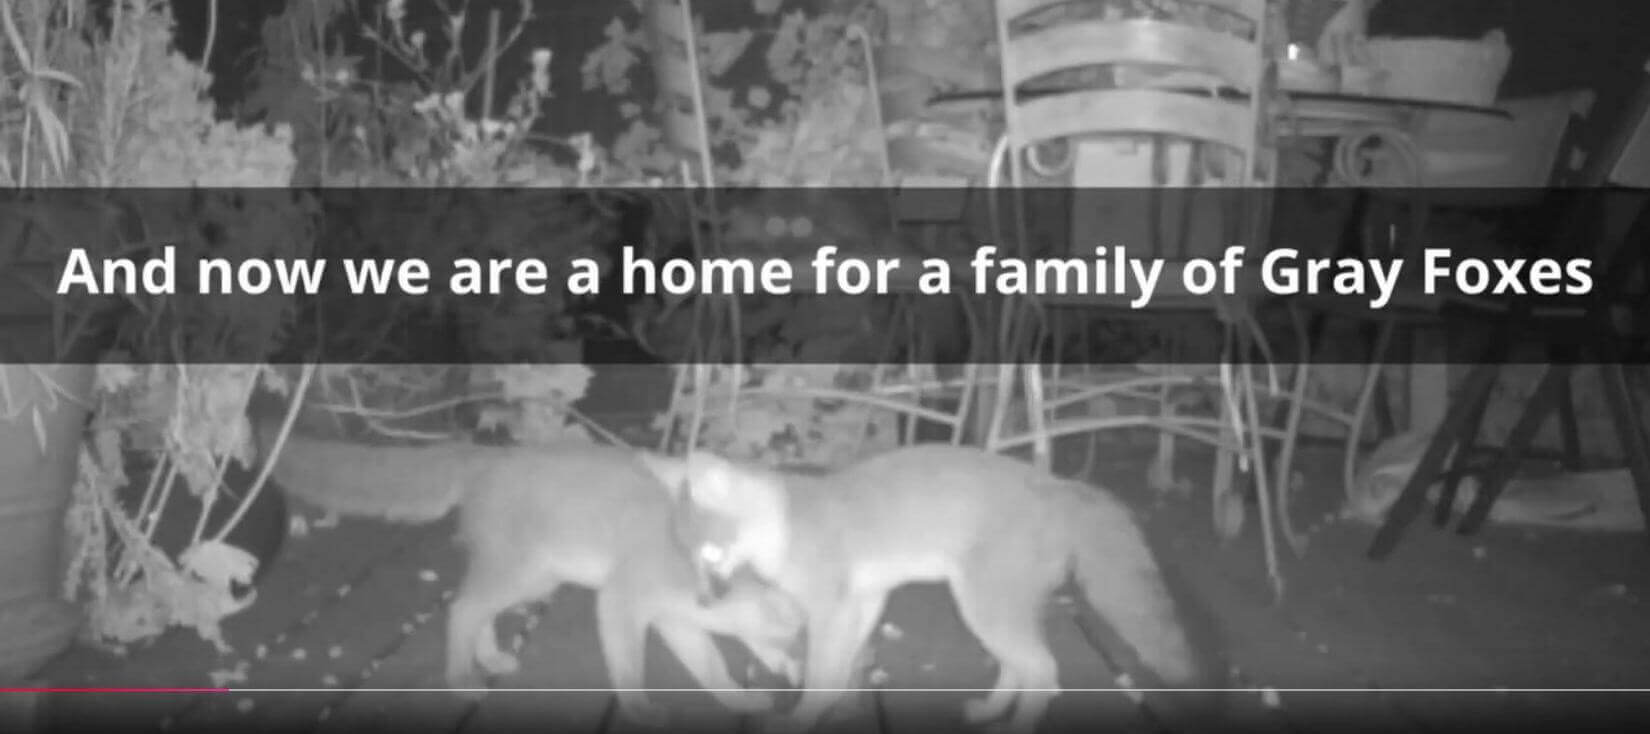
[
  {"x": 712, "y": 541},
  {"x": 729, "y": 519}
]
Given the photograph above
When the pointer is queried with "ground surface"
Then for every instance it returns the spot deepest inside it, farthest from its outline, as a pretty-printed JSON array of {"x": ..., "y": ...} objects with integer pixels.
[{"x": 360, "y": 606}]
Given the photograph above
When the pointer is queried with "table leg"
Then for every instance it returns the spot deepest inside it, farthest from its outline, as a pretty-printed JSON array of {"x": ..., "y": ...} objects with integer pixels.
[
  {"x": 1444, "y": 442},
  {"x": 1629, "y": 430},
  {"x": 1428, "y": 382}
]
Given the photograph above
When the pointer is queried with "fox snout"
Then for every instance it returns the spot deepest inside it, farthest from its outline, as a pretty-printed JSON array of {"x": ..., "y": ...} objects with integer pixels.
[
  {"x": 712, "y": 589},
  {"x": 712, "y": 586}
]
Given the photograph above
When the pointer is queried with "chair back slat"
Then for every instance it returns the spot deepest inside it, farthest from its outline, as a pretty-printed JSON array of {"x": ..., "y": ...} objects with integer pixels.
[
  {"x": 1142, "y": 102},
  {"x": 1161, "y": 75},
  {"x": 1145, "y": 111},
  {"x": 1252, "y": 11},
  {"x": 1222, "y": 56}
]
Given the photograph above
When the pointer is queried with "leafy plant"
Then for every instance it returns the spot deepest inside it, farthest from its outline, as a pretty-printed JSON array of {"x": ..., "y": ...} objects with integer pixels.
[
  {"x": 787, "y": 105},
  {"x": 103, "y": 101},
  {"x": 786, "y": 99},
  {"x": 419, "y": 403},
  {"x": 193, "y": 421},
  {"x": 766, "y": 413}
]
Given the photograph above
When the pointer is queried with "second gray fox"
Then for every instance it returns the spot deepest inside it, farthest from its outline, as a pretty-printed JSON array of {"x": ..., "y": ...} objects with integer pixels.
[{"x": 1001, "y": 533}]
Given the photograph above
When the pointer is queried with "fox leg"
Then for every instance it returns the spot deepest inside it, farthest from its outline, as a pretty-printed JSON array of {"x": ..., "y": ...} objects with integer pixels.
[
  {"x": 995, "y": 704},
  {"x": 1007, "y": 619},
  {"x": 703, "y": 660},
  {"x": 838, "y": 632},
  {"x": 464, "y": 619},
  {"x": 777, "y": 658},
  {"x": 471, "y": 636},
  {"x": 769, "y": 631},
  {"x": 493, "y": 659},
  {"x": 623, "y": 636}
]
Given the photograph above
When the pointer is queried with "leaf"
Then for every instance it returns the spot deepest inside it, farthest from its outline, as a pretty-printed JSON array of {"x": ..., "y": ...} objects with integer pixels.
[
  {"x": 218, "y": 563},
  {"x": 494, "y": 417},
  {"x": 58, "y": 76},
  {"x": 608, "y": 65},
  {"x": 56, "y": 136},
  {"x": 720, "y": 50}
]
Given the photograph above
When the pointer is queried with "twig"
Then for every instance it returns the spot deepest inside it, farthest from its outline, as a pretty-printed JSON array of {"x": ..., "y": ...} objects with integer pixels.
[
  {"x": 223, "y": 465},
  {"x": 490, "y": 70},
  {"x": 379, "y": 428},
  {"x": 376, "y": 414},
  {"x": 600, "y": 430},
  {"x": 376, "y": 417},
  {"x": 413, "y": 65},
  {"x": 147, "y": 504},
  {"x": 509, "y": 42},
  {"x": 298, "y": 394},
  {"x": 211, "y": 33}
]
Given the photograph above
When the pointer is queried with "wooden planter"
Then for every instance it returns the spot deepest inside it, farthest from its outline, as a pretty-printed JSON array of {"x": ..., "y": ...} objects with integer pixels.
[{"x": 36, "y": 623}]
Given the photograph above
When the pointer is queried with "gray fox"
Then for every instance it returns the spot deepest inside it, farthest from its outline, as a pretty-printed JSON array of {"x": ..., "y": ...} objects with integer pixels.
[
  {"x": 533, "y": 518},
  {"x": 1003, "y": 534}
]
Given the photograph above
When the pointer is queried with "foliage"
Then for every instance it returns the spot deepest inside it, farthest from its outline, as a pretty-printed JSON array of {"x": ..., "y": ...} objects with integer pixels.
[
  {"x": 108, "y": 102},
  {"x": 327, "y": 121},
  {"x": 764, "y": 413},
  {"x": 193, "y": 421},
  {"x": 401, "y": 110},
  {"x": 394, "y": 98},
  {"x": 131, "y": 112},
  {"x": 420, "y": 403},
  {"x": 534, "y": 404},
  {"x": 803, "y": 121},
  {"x": 787, "y": 104},
  {"x": 96, "y": 96}
]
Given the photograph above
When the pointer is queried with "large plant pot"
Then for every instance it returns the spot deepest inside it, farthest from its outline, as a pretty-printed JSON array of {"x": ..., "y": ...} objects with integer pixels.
[{"x": 36, "y": 623}]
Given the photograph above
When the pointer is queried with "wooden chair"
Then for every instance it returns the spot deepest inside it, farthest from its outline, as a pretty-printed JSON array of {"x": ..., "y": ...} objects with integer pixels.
[
  {"x": 1198, "y": 97},
  {"x": 1623, "y": 161}
]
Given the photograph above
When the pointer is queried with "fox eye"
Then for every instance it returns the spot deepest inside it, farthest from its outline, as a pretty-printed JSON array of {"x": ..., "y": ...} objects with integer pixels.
[{"x": 711, "y": 554}]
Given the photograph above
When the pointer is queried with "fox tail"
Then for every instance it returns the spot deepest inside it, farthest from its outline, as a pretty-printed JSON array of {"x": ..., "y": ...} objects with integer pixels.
[
  {"x": 407, "y": 484},
  {"x": 1122, "y": 582}
]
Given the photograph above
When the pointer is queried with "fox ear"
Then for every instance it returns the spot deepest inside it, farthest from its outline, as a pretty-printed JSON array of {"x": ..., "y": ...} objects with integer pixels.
[
  {"x": 669, "y": 470},
  {"x": 705, "y": 477}
]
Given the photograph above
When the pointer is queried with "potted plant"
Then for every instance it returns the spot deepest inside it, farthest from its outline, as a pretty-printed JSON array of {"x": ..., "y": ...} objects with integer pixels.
[{"x": 107, "y": 105}]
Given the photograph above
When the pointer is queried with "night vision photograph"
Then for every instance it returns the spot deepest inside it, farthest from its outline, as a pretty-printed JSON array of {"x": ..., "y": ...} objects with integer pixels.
[{"x": 793, "y": 366}]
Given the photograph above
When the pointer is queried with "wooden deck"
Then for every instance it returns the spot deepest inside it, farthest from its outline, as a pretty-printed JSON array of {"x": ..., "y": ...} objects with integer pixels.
[{"x": 358, "y": 608}]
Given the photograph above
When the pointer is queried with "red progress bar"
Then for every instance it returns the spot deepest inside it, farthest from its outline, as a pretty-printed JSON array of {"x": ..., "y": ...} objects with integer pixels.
[{"x": 114, "y": 690}]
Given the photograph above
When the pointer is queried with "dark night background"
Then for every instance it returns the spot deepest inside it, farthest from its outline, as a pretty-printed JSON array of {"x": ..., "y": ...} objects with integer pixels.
[{"x": 1557, "y": 45}]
